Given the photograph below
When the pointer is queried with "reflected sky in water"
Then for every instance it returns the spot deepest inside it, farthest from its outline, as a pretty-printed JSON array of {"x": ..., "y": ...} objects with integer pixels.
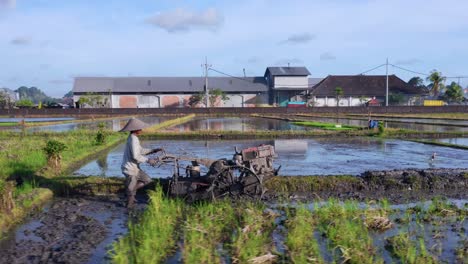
[{"x": 302, "y": 157}]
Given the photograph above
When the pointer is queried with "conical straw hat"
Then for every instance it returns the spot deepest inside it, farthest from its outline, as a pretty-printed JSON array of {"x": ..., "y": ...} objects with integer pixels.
[{"x": 134, "y": 124}]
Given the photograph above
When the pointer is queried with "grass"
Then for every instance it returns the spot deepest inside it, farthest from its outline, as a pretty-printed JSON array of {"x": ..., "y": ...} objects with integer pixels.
[
  {"x": 8, "y": 124},
  {"x": 300, "y": 240},
  {"x": 168, "y": 123},
  {"x": 154, "y": 236},
  {"x": 291, "y": 184},
  {"x": 455, "y": 116},
  {"x": 23, "y": 160},
  {"x": 252, "y": 238},
  {"x": 205, "y": 229},
  {"x": 24, "y": 204},
  {"x": 326, "y": 126},
  {"x": 408, "y": 250},
  {"x": 437, "y": 143},
  {"x": 347, "y": 233}
]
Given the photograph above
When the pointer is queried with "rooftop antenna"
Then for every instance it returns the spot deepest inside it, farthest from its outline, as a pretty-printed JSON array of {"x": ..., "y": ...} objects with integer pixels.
[
  {"x": 288, "y": 64},
  {"x": 245, "y": 76}
]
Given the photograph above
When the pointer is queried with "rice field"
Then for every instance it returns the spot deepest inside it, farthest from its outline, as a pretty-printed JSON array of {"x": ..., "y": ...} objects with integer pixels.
[{"x": 330, "y": 231}]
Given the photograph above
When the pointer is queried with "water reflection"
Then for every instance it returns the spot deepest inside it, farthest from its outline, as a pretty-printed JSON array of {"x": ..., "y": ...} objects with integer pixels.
[
  {"x": 38, "y": 119},
  {"x": 326, "y": 156},
  {"x": 406, "y": 123},
  {"x": 455, "y": 141},
  {"x": 236, "y": 124},
  {"x": 114, "y": 125}
]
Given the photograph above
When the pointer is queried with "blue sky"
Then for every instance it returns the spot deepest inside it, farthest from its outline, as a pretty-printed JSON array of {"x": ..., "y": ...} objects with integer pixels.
[{"x": 45, "y": 43}]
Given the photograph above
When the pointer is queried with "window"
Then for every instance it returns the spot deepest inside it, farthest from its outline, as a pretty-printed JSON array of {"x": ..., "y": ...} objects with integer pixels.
[{"x": 149, "y": 82}]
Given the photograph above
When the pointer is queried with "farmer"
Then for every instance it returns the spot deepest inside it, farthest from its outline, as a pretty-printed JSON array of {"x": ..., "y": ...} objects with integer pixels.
[{"x": 133, "y": 157}]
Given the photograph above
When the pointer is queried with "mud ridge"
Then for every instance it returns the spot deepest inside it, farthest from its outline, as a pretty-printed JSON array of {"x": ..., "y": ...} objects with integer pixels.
[
  {"x": 68, "y": 231},
  {"x": 397, "y": 186}
]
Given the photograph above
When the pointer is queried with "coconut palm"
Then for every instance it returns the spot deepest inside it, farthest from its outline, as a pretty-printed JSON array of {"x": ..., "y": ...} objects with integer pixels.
[{"x": 437, "y": 81}]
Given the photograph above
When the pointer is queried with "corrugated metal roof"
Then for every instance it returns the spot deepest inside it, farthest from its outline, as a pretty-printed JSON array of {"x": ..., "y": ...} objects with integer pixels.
[
  {"x": 287, "y": 71},
  {"x": 167, "y": 84},
  {"x": 363, "y": 85}
]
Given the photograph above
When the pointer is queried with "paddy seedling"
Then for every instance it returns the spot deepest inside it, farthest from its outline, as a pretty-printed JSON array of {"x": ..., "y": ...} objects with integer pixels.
[{"x": 300, "y": 241}]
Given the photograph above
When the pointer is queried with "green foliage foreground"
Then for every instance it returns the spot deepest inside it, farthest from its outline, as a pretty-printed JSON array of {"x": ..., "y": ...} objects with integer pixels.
[{"x": 330, "y": 231}]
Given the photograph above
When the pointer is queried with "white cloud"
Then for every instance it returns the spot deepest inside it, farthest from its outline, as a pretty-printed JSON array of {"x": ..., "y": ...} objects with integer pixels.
[
  {"x": 7, "y": 4},
  {"x": 184, "y": 20},
  {"x": 299, "y": 38},
  {"x": 21, "y": 41},
  {"x": 326, "y": 56}
]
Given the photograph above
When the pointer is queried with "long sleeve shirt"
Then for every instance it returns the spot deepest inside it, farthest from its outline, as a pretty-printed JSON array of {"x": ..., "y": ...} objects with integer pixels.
[{"x": 133, "y": 155}]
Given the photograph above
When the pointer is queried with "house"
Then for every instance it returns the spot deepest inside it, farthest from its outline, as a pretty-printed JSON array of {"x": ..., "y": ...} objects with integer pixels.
[
  {"x": 157, "y": 92},
  {"x": 279, "y": 85},
  {"x": 360, "y": 89},
  {"x": 287, "y": 84}
]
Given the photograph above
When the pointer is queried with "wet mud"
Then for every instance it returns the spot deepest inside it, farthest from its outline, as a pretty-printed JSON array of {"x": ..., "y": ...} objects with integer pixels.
[
  {"x": 396, "y": 186},
  {"x": 69, "y": 230}
]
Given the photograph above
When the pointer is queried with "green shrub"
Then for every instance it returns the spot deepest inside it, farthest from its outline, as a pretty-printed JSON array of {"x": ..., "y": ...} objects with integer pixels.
[
  {"x": 53, "y": 150},
  {"x": 101, "y": 135},
  {"x": 381, "y": 128}
]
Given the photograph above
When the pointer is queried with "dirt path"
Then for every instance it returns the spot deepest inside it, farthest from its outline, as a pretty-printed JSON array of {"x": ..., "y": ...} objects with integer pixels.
[{"x": 69, "y": 230}]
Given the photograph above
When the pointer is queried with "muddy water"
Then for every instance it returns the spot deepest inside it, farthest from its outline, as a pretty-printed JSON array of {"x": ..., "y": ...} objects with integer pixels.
[
  {"x": 39, "y": 119},
  {"x": 68, "y": 230},
  {"x": 236, "y": 124},
  {"x": 405, "y": 123},
  {"x": 301, "y": 157},
  {"x": 456, "y": 141},
  {"x": 114, "y": 125}
]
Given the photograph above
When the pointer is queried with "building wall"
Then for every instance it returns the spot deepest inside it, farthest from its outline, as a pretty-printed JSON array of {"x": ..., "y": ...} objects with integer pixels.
[
  {"x": 293, "y": 82},
  {"x": 344, "y": 101},
  {"x": 179, "y": 100}
]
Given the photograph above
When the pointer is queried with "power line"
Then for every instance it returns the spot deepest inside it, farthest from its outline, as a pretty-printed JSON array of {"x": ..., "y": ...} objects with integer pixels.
[
  {"x": 371, "y": 69},
  {"x": 232, "y": 76},
  {"x": 415, "y": 72}
]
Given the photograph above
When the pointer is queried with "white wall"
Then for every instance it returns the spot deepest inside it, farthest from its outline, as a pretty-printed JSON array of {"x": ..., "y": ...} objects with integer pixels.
[
  {"x": 331, "y": 101},
  {"x": 293, "y": 82}
]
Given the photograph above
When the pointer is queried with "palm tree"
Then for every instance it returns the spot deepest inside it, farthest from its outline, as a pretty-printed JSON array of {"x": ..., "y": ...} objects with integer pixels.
[{"x": 437, "y": 81}]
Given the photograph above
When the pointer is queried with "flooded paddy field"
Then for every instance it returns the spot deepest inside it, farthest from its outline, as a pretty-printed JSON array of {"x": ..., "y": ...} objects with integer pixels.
[
  {"x": 35, "y": 119},
  {"x": 235, "y": 124},
  {"x": 110, "y": 124},
  {"x": 340, "y": 156},
  {"x": 455, "y": 141},
  {"x": 402, "y": 123},
  {"x": 67, "y": 230}
]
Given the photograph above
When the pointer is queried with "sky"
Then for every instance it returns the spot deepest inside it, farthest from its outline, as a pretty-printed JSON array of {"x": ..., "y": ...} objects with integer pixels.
[{"x": 46, "y": 43}]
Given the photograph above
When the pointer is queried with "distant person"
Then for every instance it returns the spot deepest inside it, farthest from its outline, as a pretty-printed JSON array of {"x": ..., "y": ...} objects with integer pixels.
[{"x": 133, "y": 157}]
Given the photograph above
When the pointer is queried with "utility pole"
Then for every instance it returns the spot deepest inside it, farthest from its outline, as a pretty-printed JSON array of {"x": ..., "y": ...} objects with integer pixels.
[
  {"x": 206, "y": 81},
  {"x": 386, "y": 85}
]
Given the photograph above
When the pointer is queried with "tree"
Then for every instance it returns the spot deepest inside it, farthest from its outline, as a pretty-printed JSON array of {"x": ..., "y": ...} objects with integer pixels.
[
  {"x": 196, "y": 99},
  {"x": 454, "y": 93},
  {"x": 338, "y": 94},
  {"x": 418, "y": 82},
  {"x": 93, "y": 100},
  {"x": 3, "y": 100},
  {"x": 24, "y": 103},
  {"x": 214, "y": 96},
  {"x": 437, "y": 82},
  {"x": 34, "y": 94},
  {"x": 217, "y": 94},
  {"x": 396, "y": 98}
]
